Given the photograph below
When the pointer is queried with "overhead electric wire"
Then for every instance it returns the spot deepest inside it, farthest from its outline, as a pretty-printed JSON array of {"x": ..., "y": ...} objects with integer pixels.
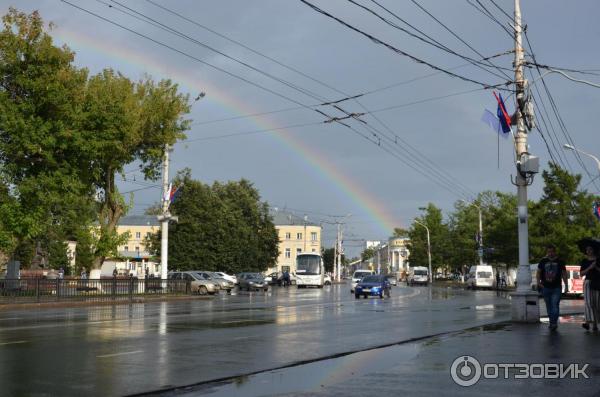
[
  {"x": 556, "y": 112},
  {"x": 427, "y": 39},
  {"x": 442, "y": 182},
  {"x": 456, "y": 35},
  {"x": 376, "y": 133},
  {"x": 491, "y": 16},
  {"x": 401, "y": 52}
]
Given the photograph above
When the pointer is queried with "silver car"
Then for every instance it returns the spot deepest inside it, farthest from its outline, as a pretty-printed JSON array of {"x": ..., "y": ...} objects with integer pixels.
[
  {"x": 225, "y": 285},
  {"x": 198, "y": 285}
]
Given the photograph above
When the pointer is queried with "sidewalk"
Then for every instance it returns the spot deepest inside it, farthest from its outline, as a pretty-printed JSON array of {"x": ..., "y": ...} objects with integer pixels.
[{"x": 423, "y": 368}]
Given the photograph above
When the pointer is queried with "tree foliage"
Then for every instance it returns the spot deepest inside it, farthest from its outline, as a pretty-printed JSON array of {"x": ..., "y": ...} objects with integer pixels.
[
  {"x": 223, "y": 227},
  {"x": 65, "y": 136}
]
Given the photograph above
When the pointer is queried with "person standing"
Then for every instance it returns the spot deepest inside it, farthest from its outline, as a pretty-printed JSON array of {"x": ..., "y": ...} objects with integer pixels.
[
  {"x": 551, "y": 270},
  {"x": 591, "y": 287}
]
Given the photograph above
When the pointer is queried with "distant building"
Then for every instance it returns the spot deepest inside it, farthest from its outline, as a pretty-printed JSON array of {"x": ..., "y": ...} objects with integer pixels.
[
  {"x": 389, "y": 257},
  {"x": 134, "y": 257},
  {"x": 296, "y": 235}
]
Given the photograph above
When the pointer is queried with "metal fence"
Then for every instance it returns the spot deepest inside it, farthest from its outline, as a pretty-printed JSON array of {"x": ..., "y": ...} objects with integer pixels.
[{"x": 35, "y": 290}]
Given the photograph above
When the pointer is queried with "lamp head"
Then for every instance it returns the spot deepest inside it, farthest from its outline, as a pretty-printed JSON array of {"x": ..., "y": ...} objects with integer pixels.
[{"x": 570, "y": 147}]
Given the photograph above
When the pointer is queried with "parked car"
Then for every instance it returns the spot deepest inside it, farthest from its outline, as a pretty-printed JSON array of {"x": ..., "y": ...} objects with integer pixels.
[
  {"x": 223, "y": 284},
  {"x": 198, "y": 284},
  {"x": 327, "y": 279},
  {"x": 272, "y": 278},
  {"x": 392, "y": 279},
  {"x": 357, "y": 276},
  {"x": 373, "y": 285},
  {"x": 252, "y": 281},
  {"x": 417, "y": 275},
  {"x": 228, "y": 277}
]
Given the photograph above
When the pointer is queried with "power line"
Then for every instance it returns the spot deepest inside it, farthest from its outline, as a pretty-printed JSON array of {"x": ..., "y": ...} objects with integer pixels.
[
  {"x": 428, "y": 40},
  {"x": 455, "y": 35},
  {"x": 374, "y": 131},
  {"x": 489, "y": 15},
  {"x": 399, "y": 51},
  {"x": 429, "y": 174}
]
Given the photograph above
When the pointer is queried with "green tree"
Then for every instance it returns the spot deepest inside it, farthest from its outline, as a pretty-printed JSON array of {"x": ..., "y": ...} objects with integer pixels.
[
  {"x": 328, "y": 255},
  {"x": 439, "y": 237},
  {"x": 221, "y": 227},
  {"x": 367, "y": 254},
  {"x": 562, "y": 216}
]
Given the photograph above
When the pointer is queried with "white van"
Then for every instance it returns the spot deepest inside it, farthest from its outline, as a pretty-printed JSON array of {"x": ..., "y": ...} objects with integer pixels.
[
  {"x": 481, "y": 277},
  {"x": 417, "y": 275},
  {"x": 357, "y": 276}
]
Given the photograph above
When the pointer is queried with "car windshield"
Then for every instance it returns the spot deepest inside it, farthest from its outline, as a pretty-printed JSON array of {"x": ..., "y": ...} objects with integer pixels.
[
  {"x": 361, "y": 274},
  {"x": 308, "y": 264},
  {"x": 420, "y": 272},
  {"x": 371, "y": 279},
  {"x": 484, "y": 274},
  {"x": 197, "y": 276}
]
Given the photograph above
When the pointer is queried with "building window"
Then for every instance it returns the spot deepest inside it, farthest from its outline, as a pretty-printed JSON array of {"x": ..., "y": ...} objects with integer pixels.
[
  {"x": 298, "y": 236},
  {"x": 288, "y": 253},
  {"x": 298, "y": 251},
  {"x": 137, "y": 249},
  {"x": 313, "y": 236},
  {"x": 126, "y": 249},
  {"x": 288, "y": 236},
  {"x": 138, "y": 234}
]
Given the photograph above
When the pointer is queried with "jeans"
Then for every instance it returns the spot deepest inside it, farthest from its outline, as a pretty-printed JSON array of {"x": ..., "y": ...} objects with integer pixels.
[{"x": 552, "y": 299}]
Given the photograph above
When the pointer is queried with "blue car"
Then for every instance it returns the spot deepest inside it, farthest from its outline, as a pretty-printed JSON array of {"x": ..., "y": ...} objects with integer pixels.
[{"x": 374, "y": 285}]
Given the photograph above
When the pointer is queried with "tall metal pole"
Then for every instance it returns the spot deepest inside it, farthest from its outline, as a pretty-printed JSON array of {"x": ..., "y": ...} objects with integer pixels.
[
  {"x": 525, "y": 307},
  {"x": 480, "y": 251},
  {"x": 164, "y": 218},
  {"x": 428, "y": 249},
  {"x": 339, "y": 252}
]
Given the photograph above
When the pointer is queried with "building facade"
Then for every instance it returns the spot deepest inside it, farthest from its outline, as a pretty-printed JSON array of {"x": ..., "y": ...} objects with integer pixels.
[
  {"x": 389, "y": 257},
  {"x": 296, "y": 235},
  {"x": 134, "y": 257}
]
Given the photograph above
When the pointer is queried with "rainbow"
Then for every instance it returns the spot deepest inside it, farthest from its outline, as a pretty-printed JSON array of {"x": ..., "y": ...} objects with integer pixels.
[{"x": 311, "y": 156}]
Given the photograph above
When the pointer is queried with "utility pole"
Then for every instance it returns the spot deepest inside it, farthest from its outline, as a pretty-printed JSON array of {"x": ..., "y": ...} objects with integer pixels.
[
  {"x": 338, "y": 265},
  {"x": 480, "y": 237},
  {"x": 165, "y": 216},
  {"x": 525, "y": 303}
]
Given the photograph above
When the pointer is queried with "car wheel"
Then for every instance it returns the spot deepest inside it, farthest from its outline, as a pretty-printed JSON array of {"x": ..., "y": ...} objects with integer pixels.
[
  {"x": 356, "y": 296},
  {"x": 202, "y": 290},
  {"x": 266, "y": 289},
  {"x": 381, "y": 296},
  {"x": 366, "y": 296}
]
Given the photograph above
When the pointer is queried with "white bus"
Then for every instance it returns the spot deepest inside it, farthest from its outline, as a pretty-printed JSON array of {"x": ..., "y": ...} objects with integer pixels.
[{"x": 310, "y": 270}]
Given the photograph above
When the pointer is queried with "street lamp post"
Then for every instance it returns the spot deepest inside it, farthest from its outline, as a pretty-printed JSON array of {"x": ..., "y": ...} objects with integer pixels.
[
  {"x": 571, "y": 147},
  {"x": 428, "y": 250},
  {"x": 480, "y": 239}
]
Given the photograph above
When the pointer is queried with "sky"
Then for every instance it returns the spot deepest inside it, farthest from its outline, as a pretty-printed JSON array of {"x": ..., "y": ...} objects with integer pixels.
[{"x": 323, "y": 170}]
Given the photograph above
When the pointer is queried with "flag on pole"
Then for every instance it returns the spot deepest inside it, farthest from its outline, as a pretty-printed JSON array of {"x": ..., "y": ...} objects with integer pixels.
[
  {"x": 492, "y": 121},
  {"x": 502, "y": 113},
  {"x": 174, "y": 194}
]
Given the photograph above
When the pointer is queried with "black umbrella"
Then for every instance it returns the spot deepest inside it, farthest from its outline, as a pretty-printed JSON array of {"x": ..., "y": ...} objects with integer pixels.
[{"x": 589, "y": 242}]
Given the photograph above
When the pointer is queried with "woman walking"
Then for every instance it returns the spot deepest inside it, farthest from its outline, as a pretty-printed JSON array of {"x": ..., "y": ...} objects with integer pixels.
[{"x": 590, "y": 268}]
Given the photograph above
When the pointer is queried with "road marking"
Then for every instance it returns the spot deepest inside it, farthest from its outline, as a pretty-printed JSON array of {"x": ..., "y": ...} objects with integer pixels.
[
  {"x": 119, "y": 354},
  {"x": 13, "y": 343},
  {"x": 10, "y": 318}
]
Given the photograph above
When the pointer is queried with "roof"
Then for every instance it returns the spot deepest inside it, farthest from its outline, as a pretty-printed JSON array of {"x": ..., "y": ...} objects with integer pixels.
[
  {"x": 139, "y": 220},
  {"x": 283, "y": 218}
]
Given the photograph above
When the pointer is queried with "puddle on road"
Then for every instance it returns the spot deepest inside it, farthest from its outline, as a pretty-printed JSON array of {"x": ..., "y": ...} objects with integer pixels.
[{"x": 309, "y": 377}]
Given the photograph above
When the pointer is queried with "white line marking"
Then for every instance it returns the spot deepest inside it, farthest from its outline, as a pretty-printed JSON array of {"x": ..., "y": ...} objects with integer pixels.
[
  {"x": 119, "y": 354},
  {"x": 13, "y": 343}
]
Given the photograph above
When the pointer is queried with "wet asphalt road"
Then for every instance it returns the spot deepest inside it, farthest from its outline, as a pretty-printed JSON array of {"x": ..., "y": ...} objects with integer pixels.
[{"x": 126, "y": 349}]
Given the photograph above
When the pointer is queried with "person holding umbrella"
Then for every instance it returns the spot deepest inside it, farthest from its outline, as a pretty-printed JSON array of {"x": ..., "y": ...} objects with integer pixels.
[{"x": 590, "y": 268}]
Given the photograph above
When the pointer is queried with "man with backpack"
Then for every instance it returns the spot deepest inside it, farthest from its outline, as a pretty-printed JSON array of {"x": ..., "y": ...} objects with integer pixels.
[{"x": 551, "y": 270}]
